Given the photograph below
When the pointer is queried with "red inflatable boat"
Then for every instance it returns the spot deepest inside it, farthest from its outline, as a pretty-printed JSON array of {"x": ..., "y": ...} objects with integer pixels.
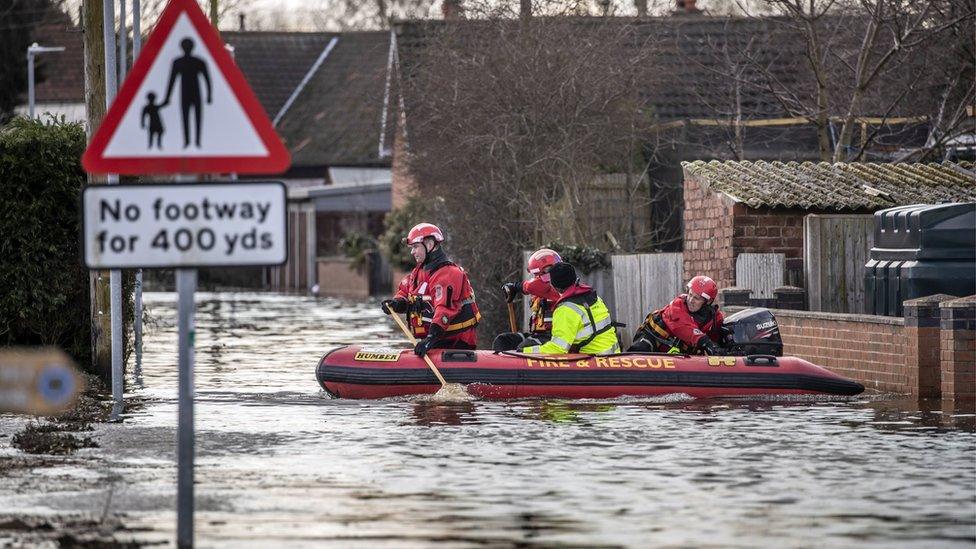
[{"x": 361, "y": 372}]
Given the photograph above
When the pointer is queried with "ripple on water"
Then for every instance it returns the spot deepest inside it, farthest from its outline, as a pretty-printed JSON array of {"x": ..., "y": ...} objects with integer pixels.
[{"x": 279, "y": 461}]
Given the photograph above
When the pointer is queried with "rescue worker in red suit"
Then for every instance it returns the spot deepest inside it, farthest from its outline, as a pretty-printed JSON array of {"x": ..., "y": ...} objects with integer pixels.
[
  {"x": 691, "y": 323},
  {"x": 542, "y": 296},
  {"x": 437, "y": 296}
]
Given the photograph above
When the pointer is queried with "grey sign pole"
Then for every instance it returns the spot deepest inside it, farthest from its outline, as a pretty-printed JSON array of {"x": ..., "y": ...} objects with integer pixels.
[
  {"x": 115, "y": 280},
  {"x": 137, "y": 317},
  {"x": 186, "y": 284}
]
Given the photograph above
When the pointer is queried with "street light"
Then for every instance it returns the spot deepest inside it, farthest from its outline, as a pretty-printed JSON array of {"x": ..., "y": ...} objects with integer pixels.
[{"x": 33, "y": 50}]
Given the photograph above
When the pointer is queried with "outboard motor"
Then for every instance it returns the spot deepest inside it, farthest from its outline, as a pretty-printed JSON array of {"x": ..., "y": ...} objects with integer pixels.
[{"x": 753, "y": 332}]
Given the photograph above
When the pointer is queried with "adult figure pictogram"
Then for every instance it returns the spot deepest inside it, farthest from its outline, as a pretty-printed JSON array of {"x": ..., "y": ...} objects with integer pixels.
[{"x": 189, "y": 69}]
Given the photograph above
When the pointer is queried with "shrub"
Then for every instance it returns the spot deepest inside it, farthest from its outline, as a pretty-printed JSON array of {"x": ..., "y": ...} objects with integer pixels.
[
  {"x": 44, "y": 296},
  {"x": 586, "y": 259}
]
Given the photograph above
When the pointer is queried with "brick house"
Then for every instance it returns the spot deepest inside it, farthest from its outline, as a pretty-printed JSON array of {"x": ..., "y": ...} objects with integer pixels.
[
  {"x": 734, "y": 207},
  {"x": 324, "y": 93}
]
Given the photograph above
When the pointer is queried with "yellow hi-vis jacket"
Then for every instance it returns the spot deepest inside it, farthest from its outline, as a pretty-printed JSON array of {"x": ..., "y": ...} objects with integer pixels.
[{"x": 580, "y": 324}]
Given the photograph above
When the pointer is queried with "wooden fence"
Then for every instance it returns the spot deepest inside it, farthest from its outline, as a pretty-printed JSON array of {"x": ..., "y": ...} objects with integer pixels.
[
  {"x": 836, "y": 248},
  {"x": 642, "y": 283},
  {"x": 761, "y": 273}
]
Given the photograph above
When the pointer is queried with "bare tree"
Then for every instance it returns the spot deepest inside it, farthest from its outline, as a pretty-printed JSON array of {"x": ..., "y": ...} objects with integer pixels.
[
  {"x": 870, "y": 60},
  {"x": 512, "y": 124}
]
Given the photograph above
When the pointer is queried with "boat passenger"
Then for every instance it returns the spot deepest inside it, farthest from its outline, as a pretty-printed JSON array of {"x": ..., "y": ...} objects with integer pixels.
[
  {"x": 437, "y": 295},
  {"x": 543, "y": 296},
  {"x": 691, "y": 323},
  {"x": 581, "y": 322}
]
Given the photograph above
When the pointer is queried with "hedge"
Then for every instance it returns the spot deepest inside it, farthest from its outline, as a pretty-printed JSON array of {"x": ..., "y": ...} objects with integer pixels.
[{"x": 44, "y": 299}]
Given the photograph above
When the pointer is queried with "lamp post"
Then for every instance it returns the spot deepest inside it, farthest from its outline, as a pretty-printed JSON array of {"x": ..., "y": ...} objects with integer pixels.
[{"x": 33, "y": 50}]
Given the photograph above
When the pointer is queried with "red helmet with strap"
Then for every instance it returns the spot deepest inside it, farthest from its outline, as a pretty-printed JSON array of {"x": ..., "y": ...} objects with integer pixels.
[
  {"x": 423, "y": 230},
  {"x": 541, "y": 260},
  {"x": 703, "y": 286}
]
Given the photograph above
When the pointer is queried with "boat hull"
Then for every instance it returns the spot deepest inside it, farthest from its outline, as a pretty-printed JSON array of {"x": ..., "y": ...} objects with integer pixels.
[{"x": 367, "y": 373}]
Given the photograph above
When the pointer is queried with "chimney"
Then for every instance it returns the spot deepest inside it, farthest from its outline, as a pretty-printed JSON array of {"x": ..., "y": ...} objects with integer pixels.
[
  {"x": 451, "y": 9},
  {"x": 686, "y": 7},
  {"x": 240, "y": 22},
  {"x": 641, "y": 6}
]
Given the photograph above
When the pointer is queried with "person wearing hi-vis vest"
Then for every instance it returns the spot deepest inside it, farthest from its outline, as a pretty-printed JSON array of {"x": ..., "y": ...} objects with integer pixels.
[
  {"x": 437, "y": 296},
  {"x": 581, "y": 322},
  {"x": 542, "y": 296}
]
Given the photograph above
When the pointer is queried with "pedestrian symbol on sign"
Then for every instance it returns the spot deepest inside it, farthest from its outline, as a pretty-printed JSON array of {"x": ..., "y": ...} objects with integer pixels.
[
  {"x": 185, "y": 79},
  {"x": 189, "y": 70}
]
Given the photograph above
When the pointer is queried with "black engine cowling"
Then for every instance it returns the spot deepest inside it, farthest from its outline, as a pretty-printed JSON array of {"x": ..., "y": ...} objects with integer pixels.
[{"x": 753, "y": 332}]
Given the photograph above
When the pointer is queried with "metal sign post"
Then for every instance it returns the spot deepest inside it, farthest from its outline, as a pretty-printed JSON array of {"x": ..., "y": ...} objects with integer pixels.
[
  {"x": 186, "y": 285},
  {"x": 185, "y": 225},
  {"x": 182, "y": 225}
]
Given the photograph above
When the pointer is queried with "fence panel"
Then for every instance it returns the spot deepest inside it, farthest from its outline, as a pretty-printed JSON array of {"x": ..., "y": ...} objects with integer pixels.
[
  {"x": 761, "y": 273},
  {"x": 627, "y": 288},
  {"x": 643, "y": 283},
  {"x": 836, "y": 248}
]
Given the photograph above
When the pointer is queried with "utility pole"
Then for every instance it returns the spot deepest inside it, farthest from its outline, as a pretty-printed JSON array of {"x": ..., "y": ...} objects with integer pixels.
[
  {"x": 98, "y": 282},
  {"x": 213, "y": 13}
]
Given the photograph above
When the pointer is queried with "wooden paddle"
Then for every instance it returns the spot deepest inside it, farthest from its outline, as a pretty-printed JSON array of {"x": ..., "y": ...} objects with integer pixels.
[
  {"x": 511, "y": 317},
  {"x": 413, "y": 341}
]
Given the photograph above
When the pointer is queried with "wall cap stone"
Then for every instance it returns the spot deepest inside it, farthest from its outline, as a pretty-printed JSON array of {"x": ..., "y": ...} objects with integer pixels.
[
  {"x": 960, "y": 303},
  {"x": 845, "y": 317},
  {"x": 930, "y": 299}
]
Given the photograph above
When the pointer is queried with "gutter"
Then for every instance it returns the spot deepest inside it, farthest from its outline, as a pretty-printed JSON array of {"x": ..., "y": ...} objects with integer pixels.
[{"x": 383, "y": 151}]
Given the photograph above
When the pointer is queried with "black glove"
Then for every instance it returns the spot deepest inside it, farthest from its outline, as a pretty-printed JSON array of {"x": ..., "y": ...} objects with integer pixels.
[
  {"x": 395, "y": 305},
  {"x": 709, "y": 347},
  {"x": 512, "y": 291},
  {"x": 426, "y": 344}
]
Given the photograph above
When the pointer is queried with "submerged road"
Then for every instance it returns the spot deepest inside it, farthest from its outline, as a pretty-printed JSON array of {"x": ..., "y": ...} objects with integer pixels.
[{"x": 279, "y": 463}]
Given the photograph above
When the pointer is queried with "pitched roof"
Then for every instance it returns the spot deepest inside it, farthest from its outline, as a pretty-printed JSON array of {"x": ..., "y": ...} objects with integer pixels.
[
  {"x": 60, "y": 75},
  {"x": 840, "y": 186},
  {"x": 692, "y": 55},
  {"x": 275, "y": 62},
  {"x": 336, "y": 117}
]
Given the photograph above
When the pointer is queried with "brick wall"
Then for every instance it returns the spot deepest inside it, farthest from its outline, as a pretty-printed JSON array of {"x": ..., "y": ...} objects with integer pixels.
[
  {"x": 403, "y": 182},
  {"x": 868, "y": 349},
  {"x": 958, "y": 349},
  {"x": 341, "y": 281},
  {"x": 930, "y": 353},
  {"x": 717, "y": 229},
  {"x": 768, "y": 231},
  {"x": 708, "y": 234}
]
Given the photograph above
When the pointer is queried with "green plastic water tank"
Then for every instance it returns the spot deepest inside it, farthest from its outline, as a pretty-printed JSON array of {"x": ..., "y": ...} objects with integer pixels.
[{"x": 920, "y": 250}]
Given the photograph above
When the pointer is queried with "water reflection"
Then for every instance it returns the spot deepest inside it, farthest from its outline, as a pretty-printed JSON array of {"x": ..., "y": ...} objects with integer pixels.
[
  {"x": 279, "y": 463},
  {"x": 428, "y": 413}
]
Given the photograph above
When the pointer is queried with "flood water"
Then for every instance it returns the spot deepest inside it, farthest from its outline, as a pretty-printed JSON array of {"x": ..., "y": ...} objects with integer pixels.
[{"x": 279, "y": 463}]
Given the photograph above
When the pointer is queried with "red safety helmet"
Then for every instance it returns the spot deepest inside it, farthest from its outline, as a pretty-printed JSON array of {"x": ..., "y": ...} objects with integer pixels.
[
  {"x": 421, "y": 231},
  {"x": 703, "y": 286},
  {"x": 542, "y": 259}
]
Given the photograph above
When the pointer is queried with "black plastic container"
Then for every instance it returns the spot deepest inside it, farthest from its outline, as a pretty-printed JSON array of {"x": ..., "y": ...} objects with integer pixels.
[{"x": 920, "y": 250}]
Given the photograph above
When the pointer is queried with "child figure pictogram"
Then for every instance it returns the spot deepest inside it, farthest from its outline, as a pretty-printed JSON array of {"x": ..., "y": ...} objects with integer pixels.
[{"x": 151, "y": 111}]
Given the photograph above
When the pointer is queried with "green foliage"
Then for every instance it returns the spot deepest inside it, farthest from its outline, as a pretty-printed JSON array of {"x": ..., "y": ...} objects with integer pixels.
[
  {"x": 357, "y": 246},
  {"x": 586, "y": 259},
  {"x": 398, "y": 222},
  {"x": 45, "y": 286}
]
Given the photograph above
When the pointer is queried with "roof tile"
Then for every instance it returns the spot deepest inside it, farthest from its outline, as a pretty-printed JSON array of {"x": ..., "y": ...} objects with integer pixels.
[{"x": 839, "y": 186}]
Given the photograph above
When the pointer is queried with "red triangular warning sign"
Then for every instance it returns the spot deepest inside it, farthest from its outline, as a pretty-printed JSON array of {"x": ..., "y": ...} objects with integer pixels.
[{"x": 185, "y": 108}]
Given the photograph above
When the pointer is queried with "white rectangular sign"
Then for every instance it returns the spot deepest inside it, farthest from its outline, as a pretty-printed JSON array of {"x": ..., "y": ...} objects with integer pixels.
[{"x": 182, "y": 225}]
